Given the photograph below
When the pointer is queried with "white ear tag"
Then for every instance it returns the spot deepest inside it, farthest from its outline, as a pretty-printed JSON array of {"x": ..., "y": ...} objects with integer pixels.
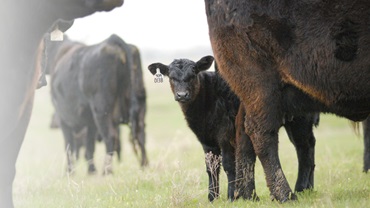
[
  {"x": 158, "y": 77},
  {"x": 56, "y": 35}
]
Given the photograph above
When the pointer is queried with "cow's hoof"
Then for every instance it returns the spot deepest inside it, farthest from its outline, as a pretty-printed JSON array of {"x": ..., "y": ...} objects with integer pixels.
[
  {"x": 305, "y": 187},
  {"x": 107, "y": 171},
  {"x": 246, "y": 195},
  {"x": 91, "y": 170},
  {"x": 366, "y": 169},
  {"x": 284, "y": 197},
  {"x": 108, "y": 165},
  {"x": 70, "y": 170},
  {"x": 254, "y": 197}
]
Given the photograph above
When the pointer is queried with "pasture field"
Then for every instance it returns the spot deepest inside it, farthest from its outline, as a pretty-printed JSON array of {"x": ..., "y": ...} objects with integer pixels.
[{"x": 176, "y": 175}]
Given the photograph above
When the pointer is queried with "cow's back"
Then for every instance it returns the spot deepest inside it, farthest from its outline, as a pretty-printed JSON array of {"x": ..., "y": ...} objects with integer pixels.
[
  {"x": 321, "y": 47},
  {"x": 105, "y": 65}
]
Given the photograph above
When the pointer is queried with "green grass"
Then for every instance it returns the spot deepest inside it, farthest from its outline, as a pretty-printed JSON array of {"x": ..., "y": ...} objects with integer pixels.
[{"x": 176, "y": 175}]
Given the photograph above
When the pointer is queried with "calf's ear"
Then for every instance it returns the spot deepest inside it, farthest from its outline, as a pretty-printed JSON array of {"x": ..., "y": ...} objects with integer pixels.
[
  {"x": 204, "y": 63},
  {"x": 162, "y": 68}
]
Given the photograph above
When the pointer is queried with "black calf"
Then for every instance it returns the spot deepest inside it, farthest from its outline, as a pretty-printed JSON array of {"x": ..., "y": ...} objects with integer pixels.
[{"x": 209, "y": 108}]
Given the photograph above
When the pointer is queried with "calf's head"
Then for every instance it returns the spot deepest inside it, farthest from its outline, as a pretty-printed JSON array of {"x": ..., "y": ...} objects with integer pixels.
[{"x": 183, "y": 75}]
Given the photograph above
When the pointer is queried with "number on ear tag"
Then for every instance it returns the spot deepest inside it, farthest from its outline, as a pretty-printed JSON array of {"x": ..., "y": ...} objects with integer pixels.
[{"x": 158, "y": 77}]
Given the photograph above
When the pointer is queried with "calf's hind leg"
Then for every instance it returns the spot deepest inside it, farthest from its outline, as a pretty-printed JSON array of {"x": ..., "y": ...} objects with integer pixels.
[{"x": 228, "y": 163}]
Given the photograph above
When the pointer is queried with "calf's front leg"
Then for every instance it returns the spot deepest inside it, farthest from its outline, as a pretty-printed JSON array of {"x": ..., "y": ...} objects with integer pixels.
[{"x": 213, "y": 162}]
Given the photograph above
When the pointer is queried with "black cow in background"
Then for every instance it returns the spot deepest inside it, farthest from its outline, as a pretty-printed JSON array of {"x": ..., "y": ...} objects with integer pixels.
[
  {"x": 23, "y": 25},
  {"x": 91, "y": 87},
  {"x": 137, "y": 110},
  {"x": 213, "y": 112}
]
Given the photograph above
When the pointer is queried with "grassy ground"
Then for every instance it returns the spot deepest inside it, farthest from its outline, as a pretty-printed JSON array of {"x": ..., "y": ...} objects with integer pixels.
[{"x": 176, "y": 175}]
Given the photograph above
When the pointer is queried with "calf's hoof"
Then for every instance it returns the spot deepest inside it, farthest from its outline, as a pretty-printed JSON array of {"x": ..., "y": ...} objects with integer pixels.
[{"x": 212, "y": 197}]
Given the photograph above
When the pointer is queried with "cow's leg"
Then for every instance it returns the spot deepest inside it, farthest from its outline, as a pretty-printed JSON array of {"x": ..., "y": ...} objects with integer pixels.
[
  {"x": 108, "y": 130},
  {"x": 245, "y": 159},
  {"x": 90, "y": 147},
  {"x": 10, "y": 145},
  {"x": 301, "y": 135},
  {"x": 69, "y": 144},
  {"x": 366, "y": 126},
  {"x": 80, "y": 141},
  {"x": 213, "y": 162},
  {"x": 266, "y": 147},
  {"x": 228, "y": 163},
  {"x": 264, "y": 115}
]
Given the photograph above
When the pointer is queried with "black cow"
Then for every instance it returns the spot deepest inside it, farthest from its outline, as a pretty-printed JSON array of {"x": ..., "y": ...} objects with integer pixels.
[
  {"x": 290, "y": 57},
  {"x": 91, "y": 87},
  {"x": 210, "y": 109},
  {"x": 23, "y": 25},
  {"x": 137, "y": 109}
]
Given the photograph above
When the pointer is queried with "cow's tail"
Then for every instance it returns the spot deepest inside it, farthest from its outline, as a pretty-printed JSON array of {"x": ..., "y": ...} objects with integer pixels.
[{"x": 356, "y": 128}]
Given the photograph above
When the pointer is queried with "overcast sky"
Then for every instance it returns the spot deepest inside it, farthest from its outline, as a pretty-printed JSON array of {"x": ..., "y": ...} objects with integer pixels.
[{"x": 149, "y": 24}]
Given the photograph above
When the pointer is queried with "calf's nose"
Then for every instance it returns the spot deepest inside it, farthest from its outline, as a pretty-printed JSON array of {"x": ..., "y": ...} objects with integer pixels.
[{"x": 182, "y": 95}]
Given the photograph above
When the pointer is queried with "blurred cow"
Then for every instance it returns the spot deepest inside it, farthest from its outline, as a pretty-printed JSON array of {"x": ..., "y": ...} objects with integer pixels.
[
  {"x": 98, "y": 77},
  {"x": 22, "y": 27}
]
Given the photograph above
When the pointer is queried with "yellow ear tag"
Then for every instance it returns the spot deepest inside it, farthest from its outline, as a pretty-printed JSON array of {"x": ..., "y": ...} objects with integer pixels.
[{"x": 56, "y": 35}]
